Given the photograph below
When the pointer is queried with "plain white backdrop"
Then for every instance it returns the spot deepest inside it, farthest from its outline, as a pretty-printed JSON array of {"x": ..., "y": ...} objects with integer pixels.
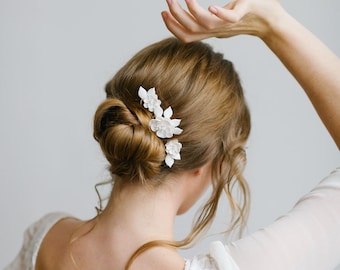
[{"x": 55, "y": 58}]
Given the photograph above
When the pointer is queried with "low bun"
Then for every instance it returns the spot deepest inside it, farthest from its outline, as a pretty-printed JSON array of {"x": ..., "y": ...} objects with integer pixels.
[{"x": 134, "y": 152}]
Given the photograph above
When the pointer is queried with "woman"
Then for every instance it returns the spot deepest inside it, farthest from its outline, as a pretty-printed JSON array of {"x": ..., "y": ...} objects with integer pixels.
[{"x": 175, "y": 121}]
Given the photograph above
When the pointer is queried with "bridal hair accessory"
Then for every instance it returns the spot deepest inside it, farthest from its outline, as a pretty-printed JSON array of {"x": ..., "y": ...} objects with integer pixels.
[{"x": 162, "y": 124}]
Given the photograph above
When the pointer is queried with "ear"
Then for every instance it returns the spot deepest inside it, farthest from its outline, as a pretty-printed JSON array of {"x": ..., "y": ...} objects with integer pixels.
[
  {"x": 203, "y": 170},
  {"x": 194, "y": 183},
  {"x": 199, "y": 171}
]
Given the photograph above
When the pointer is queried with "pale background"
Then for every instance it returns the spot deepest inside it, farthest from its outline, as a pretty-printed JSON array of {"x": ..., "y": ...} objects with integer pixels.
[{"x": 55, "y": 58}]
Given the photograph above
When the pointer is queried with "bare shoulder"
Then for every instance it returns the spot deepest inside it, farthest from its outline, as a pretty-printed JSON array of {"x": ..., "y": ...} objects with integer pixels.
[
  {"x": 159, "y": 258},
  {"x": 54, "y": 250},
  {"x": 71, "y": 242}
]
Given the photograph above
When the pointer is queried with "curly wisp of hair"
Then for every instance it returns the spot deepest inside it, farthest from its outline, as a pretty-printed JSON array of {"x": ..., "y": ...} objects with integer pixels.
[{"x": 205, "y": 92}]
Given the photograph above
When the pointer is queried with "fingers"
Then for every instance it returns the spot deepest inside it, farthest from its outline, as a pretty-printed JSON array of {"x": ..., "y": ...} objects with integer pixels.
[
  {"x": 251, "y": 17},
  {"x": 190, "y": 25},
  {"x": 203, "y": 17},
  {"x": 179, "y": 31},
  {"x": 173, "y": 26},
  {"x": 183, "y": 17},
  {"x": 183, "y": 24},
  {"x": 232, "y": 12},
  {"x": 228, "y": 15},
  {"x": 198, "y": 23}
]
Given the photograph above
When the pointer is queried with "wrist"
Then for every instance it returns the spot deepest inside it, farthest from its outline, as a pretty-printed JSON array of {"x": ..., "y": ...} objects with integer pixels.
[{"x": 276, "y": 25}]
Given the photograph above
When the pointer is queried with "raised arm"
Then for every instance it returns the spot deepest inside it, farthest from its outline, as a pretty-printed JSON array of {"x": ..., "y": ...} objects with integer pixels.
[{"x": 314, "y": 66}]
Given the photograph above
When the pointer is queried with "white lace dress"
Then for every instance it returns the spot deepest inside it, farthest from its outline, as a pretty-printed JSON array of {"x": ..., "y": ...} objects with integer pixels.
[{"x": 307, "y": 238}]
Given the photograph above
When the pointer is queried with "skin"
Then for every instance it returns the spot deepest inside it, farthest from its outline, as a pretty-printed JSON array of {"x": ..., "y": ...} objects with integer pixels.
[
  {"x": 137, "y": 215},
  {"x": 293, "y": 44},
  {"x": 133, "y": 216}
]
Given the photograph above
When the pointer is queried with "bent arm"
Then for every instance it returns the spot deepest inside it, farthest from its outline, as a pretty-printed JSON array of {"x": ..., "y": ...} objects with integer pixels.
[
  {"x": 314, "y": 66},
  {"x": 306, "y": 238}
]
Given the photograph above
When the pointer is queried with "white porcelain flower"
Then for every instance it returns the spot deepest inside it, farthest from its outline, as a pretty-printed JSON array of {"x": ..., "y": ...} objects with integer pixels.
[
  {"x": 164, "y": 126},
  {"x": 150, "y": 100},
  {"x": 172, "y": 149}
]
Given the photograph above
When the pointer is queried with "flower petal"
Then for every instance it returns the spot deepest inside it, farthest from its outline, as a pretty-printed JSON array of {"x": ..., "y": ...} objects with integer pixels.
[
  {"x": 158, "y": 111},
  {"x": 153, "y": 124},
  {"x": 177, "y": 131},
  {"x": 177, "y": 156},
  {"x": 169, "y": 161},
  {"x": 175, "y": 122},
  {"x": 161, "y": 134},
  {"x": 142, "y": 93},
  {"x": 168, "y": 112},
  {"x": 152, "y": 91},
  {"x": 169, "y": 133}
]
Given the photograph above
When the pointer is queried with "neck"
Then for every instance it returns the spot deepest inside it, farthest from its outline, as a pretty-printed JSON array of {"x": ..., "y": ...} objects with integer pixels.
[{"x": 144, "y": 212}]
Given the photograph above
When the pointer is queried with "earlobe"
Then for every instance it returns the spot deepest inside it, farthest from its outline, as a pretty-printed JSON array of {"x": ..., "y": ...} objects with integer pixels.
[
  {"x": 198, "y": 171},
  {"x": 202, "y": 170}
]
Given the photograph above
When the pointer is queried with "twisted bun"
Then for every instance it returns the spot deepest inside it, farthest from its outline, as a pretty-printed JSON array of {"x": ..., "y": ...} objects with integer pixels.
[
  {"x": 132, "y": 149},
  {"x": 205, "y": 92}
]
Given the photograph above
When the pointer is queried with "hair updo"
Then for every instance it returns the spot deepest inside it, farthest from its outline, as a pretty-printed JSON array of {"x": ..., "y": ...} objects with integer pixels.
[
  {"x": 204, "y": 91},
  {"x": 132, "y": 149}
]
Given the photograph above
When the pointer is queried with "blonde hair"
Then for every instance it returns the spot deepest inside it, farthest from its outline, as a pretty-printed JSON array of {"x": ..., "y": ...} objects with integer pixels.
[{"x": 204, "y": 91}]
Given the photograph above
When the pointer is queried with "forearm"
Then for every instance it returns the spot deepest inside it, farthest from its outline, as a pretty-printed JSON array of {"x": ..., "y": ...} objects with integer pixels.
[
  {"x": 314, "y": 66},
  {"x": 306, "y": 238}
]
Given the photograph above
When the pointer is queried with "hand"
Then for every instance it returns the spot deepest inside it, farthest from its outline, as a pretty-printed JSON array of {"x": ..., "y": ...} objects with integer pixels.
[
  {"x": 253, "y": 17},
  {"x": 293, "y": 44}
]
